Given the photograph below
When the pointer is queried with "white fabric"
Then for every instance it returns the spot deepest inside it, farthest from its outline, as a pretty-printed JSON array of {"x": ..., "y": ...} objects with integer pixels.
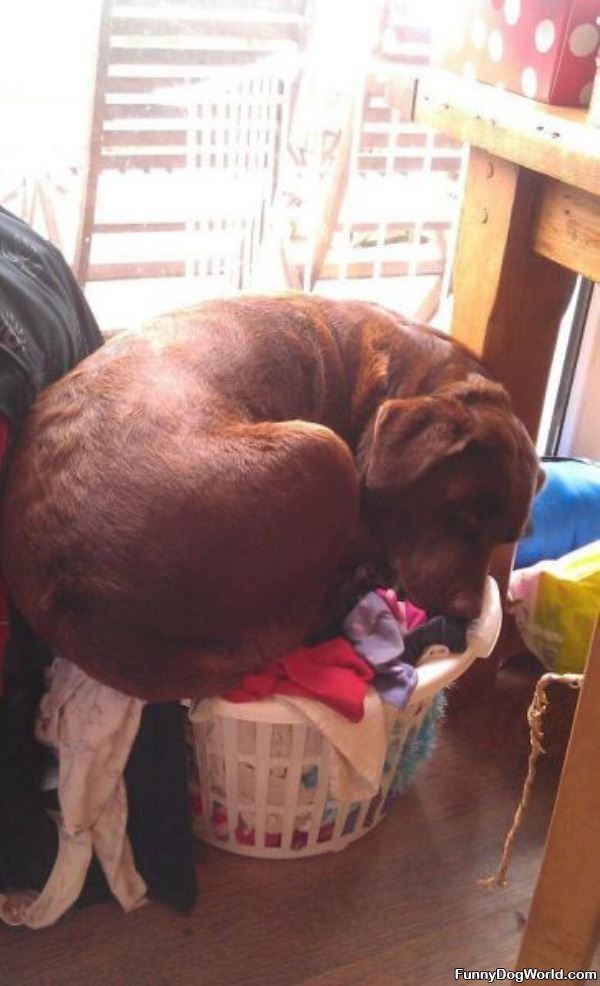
[
  {"x": 92, "y": 727},
  {"x": 357, "y": 749}
]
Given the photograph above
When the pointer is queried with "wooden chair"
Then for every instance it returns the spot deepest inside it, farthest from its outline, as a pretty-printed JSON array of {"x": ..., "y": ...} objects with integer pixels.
[
  {"x": 389, "y": 195},
  {"x": 190, "y": 107}
]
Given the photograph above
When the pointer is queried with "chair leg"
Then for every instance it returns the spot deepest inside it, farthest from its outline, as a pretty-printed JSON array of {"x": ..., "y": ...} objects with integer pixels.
[
  {"x": 431, "y": 302},
  {"x": 44, "y": 193},
  {"x": 88, "y": 207}
]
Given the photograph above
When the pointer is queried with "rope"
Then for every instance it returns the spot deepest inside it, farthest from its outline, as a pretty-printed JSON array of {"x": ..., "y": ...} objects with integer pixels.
[{"x": 535, "y": 715}]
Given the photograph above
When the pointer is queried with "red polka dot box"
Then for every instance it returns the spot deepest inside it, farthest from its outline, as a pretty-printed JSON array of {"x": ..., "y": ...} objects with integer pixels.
[{"x": 543, "y": 49}]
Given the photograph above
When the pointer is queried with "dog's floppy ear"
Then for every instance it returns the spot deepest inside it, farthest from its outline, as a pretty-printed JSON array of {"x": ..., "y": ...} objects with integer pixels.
[{"x": 410, "y": 435}]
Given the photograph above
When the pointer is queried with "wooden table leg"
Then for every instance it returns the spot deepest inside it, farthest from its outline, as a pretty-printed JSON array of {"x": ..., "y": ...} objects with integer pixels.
[
  {"x": 508, "y": 306},
  {"x": 508, "y": 301},
  {"x": 564, "y": 918}
]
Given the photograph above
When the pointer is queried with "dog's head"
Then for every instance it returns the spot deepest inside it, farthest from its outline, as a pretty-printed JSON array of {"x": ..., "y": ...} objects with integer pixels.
[{"x": 447, "y": 478}]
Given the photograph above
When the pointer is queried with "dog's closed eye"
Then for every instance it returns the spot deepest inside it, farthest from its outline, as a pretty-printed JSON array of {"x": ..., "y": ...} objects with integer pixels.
[
  {"x": 474, "y": 513},
  {"x": 462, "y": 518}
]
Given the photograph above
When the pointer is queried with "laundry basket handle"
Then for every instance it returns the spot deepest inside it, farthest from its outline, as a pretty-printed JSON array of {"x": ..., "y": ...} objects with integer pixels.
[{"x": 436, "y": 672}]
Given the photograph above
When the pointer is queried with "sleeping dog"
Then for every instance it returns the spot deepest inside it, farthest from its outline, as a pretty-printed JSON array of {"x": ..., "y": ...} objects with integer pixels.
[{"x": 196, "y": 498}]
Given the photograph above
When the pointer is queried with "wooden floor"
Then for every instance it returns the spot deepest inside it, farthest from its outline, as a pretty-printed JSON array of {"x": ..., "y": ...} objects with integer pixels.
[{"x": 401, "y": 906}]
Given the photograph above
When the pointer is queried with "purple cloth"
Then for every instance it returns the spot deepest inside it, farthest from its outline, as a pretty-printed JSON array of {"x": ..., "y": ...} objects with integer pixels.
[
  {"x": 396, "y": 683},
  {"x": 373, "y": 631},
  {"x": 376, "y": 635}
]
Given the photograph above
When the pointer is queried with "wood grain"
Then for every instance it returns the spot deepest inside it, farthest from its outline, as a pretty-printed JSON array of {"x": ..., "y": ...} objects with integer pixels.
[
  {"x": 508, "y": 301},
  {"x": 554, "y": 141},
  {"x": 567, "y": 228}
]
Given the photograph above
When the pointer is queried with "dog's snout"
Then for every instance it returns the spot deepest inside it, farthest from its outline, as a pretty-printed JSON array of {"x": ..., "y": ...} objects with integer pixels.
[{"x": 466, "y": 605}]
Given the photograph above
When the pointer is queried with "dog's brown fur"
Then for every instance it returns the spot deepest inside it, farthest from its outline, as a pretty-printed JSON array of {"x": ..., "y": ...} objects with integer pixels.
[{"x": 195, "y": 499}]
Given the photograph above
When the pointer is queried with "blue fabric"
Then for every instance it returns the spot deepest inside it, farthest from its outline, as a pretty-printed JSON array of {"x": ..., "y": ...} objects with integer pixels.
[
  {"x": 396, "y": 683},
  {"x": 419, "y": 745},
  {"x": 566, "y": 511}
]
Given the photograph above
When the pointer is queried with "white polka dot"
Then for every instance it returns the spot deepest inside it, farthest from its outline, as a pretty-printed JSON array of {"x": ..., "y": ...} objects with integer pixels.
[
  {"x": 495, "y": 46},
  {"x": 585, "y": 94},
  {"x": 584, "y": 40},
  {"x": 512, "y": 11},
  {"x": 529, "y": 81},
  {"x": 469, "y": 70},
  {"x": 545, "y": 35},
  {"x": 478, "y": 32}
]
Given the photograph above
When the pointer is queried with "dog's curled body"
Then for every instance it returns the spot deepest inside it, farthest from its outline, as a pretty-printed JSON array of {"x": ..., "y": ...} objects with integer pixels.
[{"x": 190, "y": 501}]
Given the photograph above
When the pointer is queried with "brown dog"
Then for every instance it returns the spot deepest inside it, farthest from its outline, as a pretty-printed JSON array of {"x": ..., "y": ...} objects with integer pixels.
[{"x": 195, "y": 499}]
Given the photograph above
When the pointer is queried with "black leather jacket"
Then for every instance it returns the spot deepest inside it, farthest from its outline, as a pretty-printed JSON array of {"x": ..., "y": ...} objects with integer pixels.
[{"x": 46, "y": 326}]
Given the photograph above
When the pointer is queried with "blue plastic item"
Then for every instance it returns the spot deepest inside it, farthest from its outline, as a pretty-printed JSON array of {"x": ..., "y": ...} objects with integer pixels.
[{"x": 566, "y": 511}]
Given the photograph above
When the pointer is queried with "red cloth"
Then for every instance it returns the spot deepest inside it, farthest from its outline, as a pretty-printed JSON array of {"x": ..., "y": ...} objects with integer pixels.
[
  {"x": 390, "y": 597},
  {"x": 415, "y": 617},
  {"x": 4, "y": 617},
  {"x": 331, "y": 672}
]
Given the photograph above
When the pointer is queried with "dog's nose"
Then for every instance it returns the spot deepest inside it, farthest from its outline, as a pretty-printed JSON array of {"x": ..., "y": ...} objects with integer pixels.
[{"x": 465, "y": 605}]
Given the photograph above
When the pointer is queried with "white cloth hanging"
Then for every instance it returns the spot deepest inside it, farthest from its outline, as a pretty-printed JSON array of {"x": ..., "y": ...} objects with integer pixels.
[{"x": 92, "y": 728}]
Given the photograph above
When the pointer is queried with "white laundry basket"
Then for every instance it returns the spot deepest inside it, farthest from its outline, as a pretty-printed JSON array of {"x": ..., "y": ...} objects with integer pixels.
[{"x": 262, "y": 786}]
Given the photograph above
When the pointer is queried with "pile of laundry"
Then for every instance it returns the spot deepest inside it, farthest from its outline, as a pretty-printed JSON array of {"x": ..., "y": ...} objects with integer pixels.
[
  {"x": 382, "y": 640},
  {"x": 349, "y": 690},
  {"x": 93, "y": 792},
  {"x": 99, "y": 804}
]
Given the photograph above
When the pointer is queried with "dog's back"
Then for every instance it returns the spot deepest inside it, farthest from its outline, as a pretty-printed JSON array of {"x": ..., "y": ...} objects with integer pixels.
[{"x": 180, "y": 505}]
